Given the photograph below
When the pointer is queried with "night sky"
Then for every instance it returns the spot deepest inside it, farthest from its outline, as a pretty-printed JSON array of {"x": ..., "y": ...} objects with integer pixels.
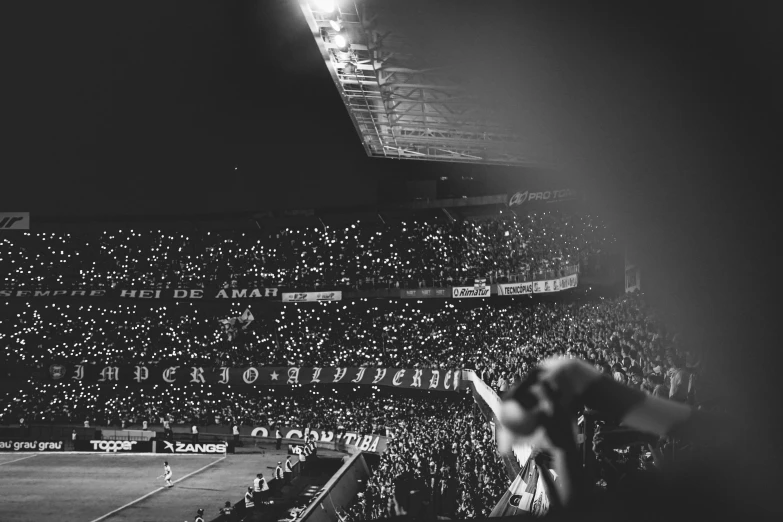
[{"x": 664, "y": 115}]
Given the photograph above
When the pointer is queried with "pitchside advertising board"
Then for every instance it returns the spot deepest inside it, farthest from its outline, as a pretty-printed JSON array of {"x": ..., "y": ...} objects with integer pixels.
[
  {"x": 148, "y": 446},
  {"x": 371, "y": 443},
  {"x": 113, "y": 446},
  {"x": 184, "y": 448},
  {"x": 31, "y": 445}
]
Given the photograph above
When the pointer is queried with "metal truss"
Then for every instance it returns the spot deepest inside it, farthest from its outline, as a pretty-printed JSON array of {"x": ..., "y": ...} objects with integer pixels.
[{"x": 403, "y": 108}]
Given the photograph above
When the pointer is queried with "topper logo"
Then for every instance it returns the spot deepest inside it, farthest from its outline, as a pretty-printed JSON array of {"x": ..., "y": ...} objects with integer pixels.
[{"x": 112, "y": 445}]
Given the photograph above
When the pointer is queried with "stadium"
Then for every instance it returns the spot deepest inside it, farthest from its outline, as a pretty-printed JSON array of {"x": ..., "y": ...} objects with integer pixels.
[{"x": 451, "y": 323}]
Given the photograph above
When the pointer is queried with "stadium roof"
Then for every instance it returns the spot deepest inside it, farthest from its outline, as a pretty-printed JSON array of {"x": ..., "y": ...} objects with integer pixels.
[
  {"x": 402, "y": 104},
  {"x": 457, "y": 208}
]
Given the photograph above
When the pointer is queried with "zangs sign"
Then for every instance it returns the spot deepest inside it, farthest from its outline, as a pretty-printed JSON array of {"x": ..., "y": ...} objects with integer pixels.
[{"x": 195, "y": 449}]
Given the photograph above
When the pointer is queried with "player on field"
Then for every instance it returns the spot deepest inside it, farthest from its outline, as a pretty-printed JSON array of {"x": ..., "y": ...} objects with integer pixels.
[
  {"x": 199, "y": 516},
  {"x": 167, "y": 473}
]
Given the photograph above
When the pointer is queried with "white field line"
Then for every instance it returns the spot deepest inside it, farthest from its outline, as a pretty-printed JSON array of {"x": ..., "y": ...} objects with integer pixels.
[
  {"x": 110, "y": 513},
  {"x": 17, "y": 460}
]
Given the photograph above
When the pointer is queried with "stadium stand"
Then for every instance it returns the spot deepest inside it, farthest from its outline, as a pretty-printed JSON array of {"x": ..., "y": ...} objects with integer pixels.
[
  {"x": 439, "y": 440},
  {"x": 360, "y": 254}
]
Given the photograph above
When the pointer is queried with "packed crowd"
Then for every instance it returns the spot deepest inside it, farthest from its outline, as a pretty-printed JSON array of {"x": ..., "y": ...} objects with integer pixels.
[
  {"x": 438, "y": 441},
  {"x": 363, "y": 254},
  {"x": 501, "y": 342},
  {"x": 366, "y": 411},
  {"x": 452, "y": 454}
]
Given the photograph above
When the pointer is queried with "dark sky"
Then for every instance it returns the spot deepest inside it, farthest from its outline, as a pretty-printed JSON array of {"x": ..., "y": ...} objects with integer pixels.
[
  {"x": 183, "y": 108},
  {"x": 665, "y": 114}
]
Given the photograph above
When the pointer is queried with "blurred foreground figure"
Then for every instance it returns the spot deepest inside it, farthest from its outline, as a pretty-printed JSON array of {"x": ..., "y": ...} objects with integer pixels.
[{"x": 542, "y": 411}]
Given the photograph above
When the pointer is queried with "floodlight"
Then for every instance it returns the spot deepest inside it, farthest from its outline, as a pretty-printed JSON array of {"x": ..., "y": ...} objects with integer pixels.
[{"x": 340, "y": 41}]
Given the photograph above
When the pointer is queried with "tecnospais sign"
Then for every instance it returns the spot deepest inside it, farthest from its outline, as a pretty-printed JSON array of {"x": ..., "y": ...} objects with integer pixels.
[{"x": 422, "y": 378}]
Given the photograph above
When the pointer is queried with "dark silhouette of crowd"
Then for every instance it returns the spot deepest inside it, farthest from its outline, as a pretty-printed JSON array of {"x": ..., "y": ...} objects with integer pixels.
[{"x": 451, "y": 454}]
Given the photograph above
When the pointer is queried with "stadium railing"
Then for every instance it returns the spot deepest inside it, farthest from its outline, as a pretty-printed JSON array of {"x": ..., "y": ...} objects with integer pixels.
[{"x": 341, "y": 489}]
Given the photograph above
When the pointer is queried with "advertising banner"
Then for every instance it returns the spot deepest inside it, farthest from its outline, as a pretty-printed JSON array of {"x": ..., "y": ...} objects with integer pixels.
[
  {"x": 14, "y": 221},
  {"x": 425, "y": 293},
  {"x": 470, "y": 291},
  {"x": 113, "y": 446},
  {"x": 424, "y": 379},
  {"x": 371, "y": 443},
  {"x": 515, "y": 289},
  {"x": 31, "y": 445},
  {"x": 555, "y": 285},
  {"x": 184, "y": 294},
  {"x": 311, "y": 297},
  {"x": 531, "y": 199},
  {"x": 185, "y": 448},
  {"x": 569, "y": 281}
]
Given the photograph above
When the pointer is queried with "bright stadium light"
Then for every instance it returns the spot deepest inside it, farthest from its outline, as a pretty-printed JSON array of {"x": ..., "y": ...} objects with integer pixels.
[
  {"x": 340, "y": 41},
  {"x": 326, "y": 6}
]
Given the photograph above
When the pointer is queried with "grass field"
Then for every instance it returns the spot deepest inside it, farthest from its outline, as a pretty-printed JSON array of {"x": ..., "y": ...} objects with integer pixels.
[{"x": 84, "y": 488}]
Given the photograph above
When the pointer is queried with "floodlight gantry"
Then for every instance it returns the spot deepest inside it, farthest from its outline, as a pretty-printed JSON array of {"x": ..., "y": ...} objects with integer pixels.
[{"x": 400, "y": 106}]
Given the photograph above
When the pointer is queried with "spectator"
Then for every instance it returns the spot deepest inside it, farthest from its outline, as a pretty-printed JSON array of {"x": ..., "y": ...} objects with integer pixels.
[{"x": 679, "y": 379}]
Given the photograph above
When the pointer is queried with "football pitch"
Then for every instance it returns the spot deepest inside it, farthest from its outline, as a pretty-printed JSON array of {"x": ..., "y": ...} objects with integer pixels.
[{"x": 47, "y": 487}]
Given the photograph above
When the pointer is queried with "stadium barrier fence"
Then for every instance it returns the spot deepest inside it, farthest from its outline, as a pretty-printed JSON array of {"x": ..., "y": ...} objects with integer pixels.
[
  {"x": 239, "y": 506},
  {"x": 338, "y": 493}
]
